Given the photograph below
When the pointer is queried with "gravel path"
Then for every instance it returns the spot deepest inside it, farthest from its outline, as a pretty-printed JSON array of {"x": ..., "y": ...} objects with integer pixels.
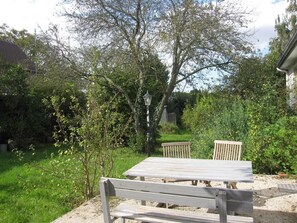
[{"x": 270, "y": 205}]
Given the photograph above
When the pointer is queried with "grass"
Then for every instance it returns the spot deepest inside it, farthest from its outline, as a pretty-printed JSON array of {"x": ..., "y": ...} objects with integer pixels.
[
  {"x": 125, "y": 159},
  {"x": 30, "y": 194},
  {"x": 175, "y": 138},
  {"x": 27, "y": 195}
]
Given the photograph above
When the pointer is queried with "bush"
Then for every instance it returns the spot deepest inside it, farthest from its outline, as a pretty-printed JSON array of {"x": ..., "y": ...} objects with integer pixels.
[
  {"x": 277, "y": 147},
  {"x": 93, "y": 133},
  {"x": 201, "y": 114},
  {"x": 169, "y": 128},
  {"x": 216, "y": 118}
]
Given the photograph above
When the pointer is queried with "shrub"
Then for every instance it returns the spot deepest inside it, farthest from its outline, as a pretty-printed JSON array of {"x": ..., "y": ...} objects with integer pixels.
[
  {"x": 216, "y": 118},
  {"x": 277, "y": 147},
  {"x": 169, "y": 128},
  {"x": 201, "y": 114},
  {"x": 93, "y": 134}
]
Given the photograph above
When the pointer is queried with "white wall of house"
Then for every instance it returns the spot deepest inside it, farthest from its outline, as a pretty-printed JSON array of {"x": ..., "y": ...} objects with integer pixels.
[{"x": 290, "y": 77}]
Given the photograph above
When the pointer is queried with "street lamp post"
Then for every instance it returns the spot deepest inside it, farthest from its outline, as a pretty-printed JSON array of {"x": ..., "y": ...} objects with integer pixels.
[{"x": 147, "y": 101}]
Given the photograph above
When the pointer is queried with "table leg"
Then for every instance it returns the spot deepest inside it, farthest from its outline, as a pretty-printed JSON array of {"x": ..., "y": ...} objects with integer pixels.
[
  {"x": 230, "y": 185},
  {"x": 142, "y": 202},
  {"x": 227, "y": 184}
]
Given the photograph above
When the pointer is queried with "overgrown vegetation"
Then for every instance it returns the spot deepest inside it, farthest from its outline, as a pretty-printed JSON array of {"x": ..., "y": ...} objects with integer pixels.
[
  {"x": 268, "y": 137},
  {"x": 250, "y": 106}
]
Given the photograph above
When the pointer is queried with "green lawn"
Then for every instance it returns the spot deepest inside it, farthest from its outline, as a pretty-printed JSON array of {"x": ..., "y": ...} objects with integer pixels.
[
  {"x": 28, "y": 193},
  {"x": 175, "y": 138}
]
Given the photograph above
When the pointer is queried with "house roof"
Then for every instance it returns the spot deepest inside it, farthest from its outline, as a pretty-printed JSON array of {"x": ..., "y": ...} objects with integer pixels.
[
  {"x": 288, "y": 58},
  {"x": 11, "y": 53}
]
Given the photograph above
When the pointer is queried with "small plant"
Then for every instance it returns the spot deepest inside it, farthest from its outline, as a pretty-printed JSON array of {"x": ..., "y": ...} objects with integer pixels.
[{"x": 91, "y": 134}]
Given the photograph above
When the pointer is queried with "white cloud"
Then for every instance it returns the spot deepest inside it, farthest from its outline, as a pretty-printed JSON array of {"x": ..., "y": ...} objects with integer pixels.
[
  {"x": 265, "y": 14},
  {"x": 28, "y": 14}
]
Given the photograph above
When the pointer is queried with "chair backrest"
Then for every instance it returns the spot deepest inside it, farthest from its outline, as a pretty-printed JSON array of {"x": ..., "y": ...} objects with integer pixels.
[
  {"x": 177, "y": 149},
  {"x": 227, "y": 150},
  {"x": 206, "y": 197}
]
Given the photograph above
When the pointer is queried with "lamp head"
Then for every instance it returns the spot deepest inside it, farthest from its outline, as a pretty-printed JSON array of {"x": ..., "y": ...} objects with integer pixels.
[{"x": 147, "y": 99}]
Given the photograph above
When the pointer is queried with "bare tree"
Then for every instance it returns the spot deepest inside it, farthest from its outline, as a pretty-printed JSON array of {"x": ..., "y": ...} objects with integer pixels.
[{"x": 191, "y": 36}]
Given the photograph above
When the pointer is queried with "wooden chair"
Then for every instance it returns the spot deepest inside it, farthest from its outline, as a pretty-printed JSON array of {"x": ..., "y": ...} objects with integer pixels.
[
  {"x": 226, "y": 150},
  {"x": 177, "y": 150}
]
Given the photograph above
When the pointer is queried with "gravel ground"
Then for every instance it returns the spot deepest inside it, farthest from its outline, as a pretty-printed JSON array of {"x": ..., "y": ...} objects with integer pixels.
[{"x": 270, "y": 205}]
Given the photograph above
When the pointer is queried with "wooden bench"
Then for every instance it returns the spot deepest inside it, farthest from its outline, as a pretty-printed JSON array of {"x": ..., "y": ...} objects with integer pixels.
[{"x": 220, "y": 199}]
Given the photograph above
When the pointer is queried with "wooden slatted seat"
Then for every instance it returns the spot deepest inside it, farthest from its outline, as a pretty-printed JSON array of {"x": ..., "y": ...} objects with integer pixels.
[
  {"x": 227, "y": 150},
  {"x": 220, "y": 199},
  {"x": 177, "y": 150}
]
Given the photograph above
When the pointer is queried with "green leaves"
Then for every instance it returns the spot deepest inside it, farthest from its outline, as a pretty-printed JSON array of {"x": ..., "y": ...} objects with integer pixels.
[
  {"x": 278, "y": 147},
  {"x": 216, "y": 118},
  {"x": 91, "y": 135}
]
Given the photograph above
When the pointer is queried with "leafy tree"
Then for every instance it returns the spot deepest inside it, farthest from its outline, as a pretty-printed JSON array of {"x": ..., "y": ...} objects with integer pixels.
[
  {"x": 122, "y": 77},
  {"x": 247, "y": 79},
  {"x": 193, "y": 35},
  {"x": 21, "y": 38},
  {"x": 257, "y": 80},
  {"x": 285, "y": 27},
  {"x": 15, "y": 109},
  {"x": 260, "y": 120},
  {"x": 51, "y": 76}
]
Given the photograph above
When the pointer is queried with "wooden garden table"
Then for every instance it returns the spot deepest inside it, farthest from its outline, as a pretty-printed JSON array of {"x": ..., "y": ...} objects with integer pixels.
[{"x": 193, "y": 169}]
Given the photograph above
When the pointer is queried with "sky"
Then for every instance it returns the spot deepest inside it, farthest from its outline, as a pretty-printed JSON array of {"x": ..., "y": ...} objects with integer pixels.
[
  {"x": 35, "y": 14},
  {"x": 265, "y": 14},
  {"x": 28, "y": 14}
]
